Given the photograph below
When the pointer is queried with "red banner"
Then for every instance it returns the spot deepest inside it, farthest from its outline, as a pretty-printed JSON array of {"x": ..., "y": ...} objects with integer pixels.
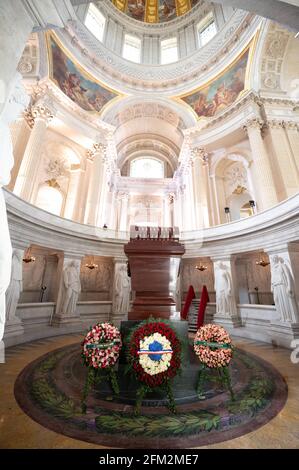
[{"x": 189, "y": 297}]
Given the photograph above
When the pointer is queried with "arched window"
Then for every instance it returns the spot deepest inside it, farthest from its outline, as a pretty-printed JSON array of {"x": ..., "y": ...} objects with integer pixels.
[
  {"x": 147, "y": 167},
  {"x": 50, "y": 199}
]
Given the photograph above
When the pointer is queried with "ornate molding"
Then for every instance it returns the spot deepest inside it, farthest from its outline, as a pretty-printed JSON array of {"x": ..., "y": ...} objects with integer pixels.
[
  {"x": 40, "y": 111},
  {"x": 101, "y": 61}
]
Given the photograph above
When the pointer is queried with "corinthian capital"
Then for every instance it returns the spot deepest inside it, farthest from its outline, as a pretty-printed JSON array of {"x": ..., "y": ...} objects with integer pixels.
[
  {"x": 254, "y": 123},
  {"x": 95, "y": 149},
  {"x": 41, "y": 111},
  {"x": 275, "y": 124},
  {"x": 291, "y": 125},
  {"x": 201, "y": 153}
]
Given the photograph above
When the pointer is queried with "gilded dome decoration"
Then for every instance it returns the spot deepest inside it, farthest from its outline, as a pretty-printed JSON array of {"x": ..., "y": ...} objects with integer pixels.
[{"x": 154, "y": 11}]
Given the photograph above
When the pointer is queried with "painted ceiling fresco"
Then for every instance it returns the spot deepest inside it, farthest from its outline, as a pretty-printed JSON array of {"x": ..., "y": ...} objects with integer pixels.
[
  {"x": 78, "y": 85},
  {"x": 154, "y": 11},
  {"x": 221, "y": 92}
]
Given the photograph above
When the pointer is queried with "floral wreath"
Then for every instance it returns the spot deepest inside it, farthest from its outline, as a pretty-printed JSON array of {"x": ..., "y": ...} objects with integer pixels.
[
  {"x": 213, "y": 346},
  {"x": 154, "y": 355},
  {"x": 101, "y": 346},
  {"x": 100, "y": 352}
]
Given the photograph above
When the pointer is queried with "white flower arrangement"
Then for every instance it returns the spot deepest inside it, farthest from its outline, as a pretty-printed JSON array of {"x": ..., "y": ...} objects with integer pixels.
[{"x": 149, "y": 365}]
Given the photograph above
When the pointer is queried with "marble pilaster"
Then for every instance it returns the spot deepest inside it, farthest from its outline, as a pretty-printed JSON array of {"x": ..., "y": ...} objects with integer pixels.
[
  {"x": 261, "y": 166},
  {"x": 284, "y": 158}
]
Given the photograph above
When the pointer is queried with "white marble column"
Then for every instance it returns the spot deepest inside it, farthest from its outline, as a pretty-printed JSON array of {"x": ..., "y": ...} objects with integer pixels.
[
  {"x": 167, "y": 202},
  {"x": 214, "y": 199},
  {"x": 95, "y": 183},
  {"x": 101, "y": 213},
  {"x": 261, "y": 166},
  {"x": 14, "y": 324},
  {"x": 284, "y": 264},
  {"x": 20, "y": 132},
  {"x": 16, "y": 23},
  {"x": 124, "y": 198},
  {"x": 30, "y": 163},
  {"x": 69, "y": 288},
  {"x": 70, "y": 208},
  {"x": 292, "y": 131},
  {"x": 121, "y": 293},
  {"x": 178, "y": 210},
  {"x": 225, "y": 288},
  {"x": 200, "y": 187},
  {"x": 286, "y": 165}
]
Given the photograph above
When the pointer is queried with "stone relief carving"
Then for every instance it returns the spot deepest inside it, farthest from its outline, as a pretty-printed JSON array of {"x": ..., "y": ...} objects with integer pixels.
[
  {"x": 274, "y": 51},
  {"x": 235, "y": 176},
  {"x": 282, "y": 285},
  {"x": 56, "y": 168},
  {"x": 28, "y": 64}
]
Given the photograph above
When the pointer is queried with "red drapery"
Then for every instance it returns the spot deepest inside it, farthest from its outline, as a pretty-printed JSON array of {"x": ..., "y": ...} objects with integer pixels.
[
  {"x": 189, "y": 297},
  {"x": 204, "y": 299}
]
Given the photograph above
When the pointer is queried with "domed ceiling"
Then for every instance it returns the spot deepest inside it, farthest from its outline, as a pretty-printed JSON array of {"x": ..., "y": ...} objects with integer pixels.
[{"x": 154, "y": 11}]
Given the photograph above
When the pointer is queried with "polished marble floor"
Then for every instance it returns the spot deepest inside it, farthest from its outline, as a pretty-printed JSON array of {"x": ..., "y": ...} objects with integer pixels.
[{"x": 17, "y": 430}]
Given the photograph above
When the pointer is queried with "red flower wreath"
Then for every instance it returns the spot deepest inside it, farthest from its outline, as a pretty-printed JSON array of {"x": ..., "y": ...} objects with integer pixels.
[{"x": 145, "y": 334}]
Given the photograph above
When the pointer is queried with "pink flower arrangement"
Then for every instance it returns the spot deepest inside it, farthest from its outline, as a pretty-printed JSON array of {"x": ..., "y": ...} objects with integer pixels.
[
  {"x": 101, "y": 346},
  {"x": 213, "y": 346}
]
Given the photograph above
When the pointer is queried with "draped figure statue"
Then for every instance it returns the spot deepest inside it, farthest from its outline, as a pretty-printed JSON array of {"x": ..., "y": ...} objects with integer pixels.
[
  {"x": 71, "y": 288},
  {"x": 282, "y": 285},
  {"x": 15, "y": 287},
  {"x": 122, "y": 290},
  {"x": 225, "y": 304}
]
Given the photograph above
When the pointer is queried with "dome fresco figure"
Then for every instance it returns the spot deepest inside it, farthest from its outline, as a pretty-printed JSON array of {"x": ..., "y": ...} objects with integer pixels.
[{"x": 149, "y": 161}]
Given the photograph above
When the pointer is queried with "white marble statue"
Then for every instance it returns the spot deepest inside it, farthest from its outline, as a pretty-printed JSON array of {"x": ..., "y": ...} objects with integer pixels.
[
  {"x": 225, "y": 304},
  {"x": 122, "y": 290},
  {"x": 15, "y": 287},
  {"x": 71, "y": 288},
  {"x": 282, "y": 286},
  {"x": 15, "y": 104}
]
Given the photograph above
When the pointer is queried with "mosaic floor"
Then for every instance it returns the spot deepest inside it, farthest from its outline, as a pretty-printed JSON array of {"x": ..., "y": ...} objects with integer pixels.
[{"x": 48, "y": 390}]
